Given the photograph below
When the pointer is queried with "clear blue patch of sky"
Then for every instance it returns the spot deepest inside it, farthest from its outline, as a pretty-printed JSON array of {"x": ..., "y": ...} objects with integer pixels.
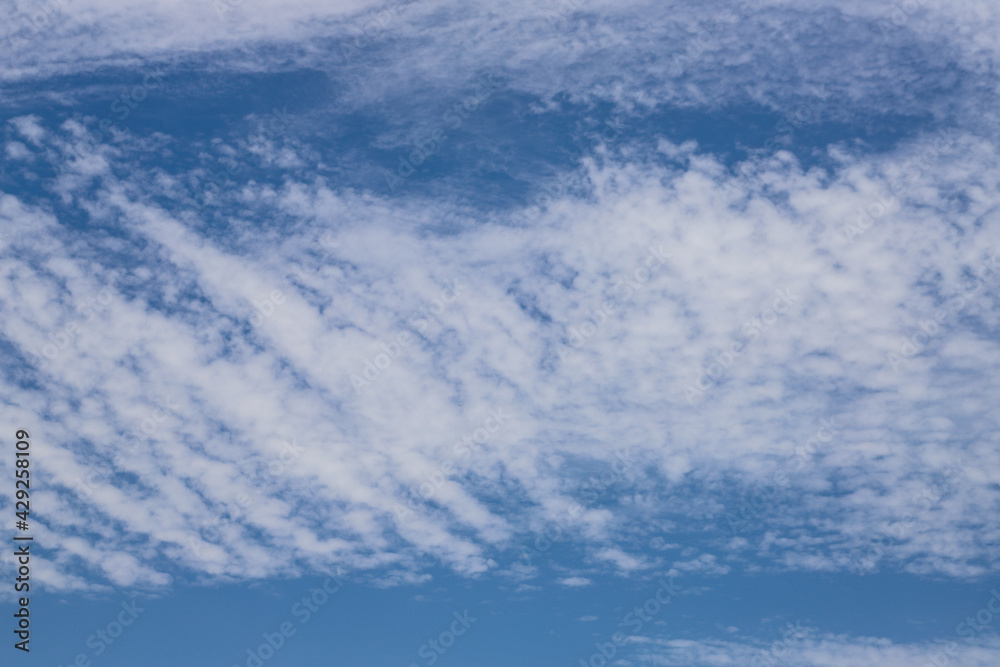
[
  {"x": 372, "y": 627},
  {"x": 497, "y": 157}
]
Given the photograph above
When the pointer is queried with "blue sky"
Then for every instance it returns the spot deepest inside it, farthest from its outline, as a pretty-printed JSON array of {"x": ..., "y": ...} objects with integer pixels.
[{"x": 643, "y": 334}]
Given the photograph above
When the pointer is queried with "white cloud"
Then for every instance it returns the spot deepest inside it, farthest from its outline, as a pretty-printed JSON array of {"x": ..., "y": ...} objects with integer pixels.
[
  {"x": 575, "y": 582},
  {"x": 778, "y": 259},
  {"x": 241, "y": 390},
  {"x": 817, "y": 650}
]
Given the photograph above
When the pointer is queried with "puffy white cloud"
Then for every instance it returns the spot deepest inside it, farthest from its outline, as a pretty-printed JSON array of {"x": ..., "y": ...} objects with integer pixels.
[{"x": 575, "y": 582}]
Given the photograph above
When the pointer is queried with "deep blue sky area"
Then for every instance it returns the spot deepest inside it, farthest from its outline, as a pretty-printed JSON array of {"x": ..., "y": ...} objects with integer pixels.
[
  {"x": 496, "y": 158},
  {"x": 217, "y": 624}
]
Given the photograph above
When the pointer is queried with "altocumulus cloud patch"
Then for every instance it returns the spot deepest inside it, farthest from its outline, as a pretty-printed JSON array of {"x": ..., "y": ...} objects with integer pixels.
[{"x": 376, "y": 291}]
